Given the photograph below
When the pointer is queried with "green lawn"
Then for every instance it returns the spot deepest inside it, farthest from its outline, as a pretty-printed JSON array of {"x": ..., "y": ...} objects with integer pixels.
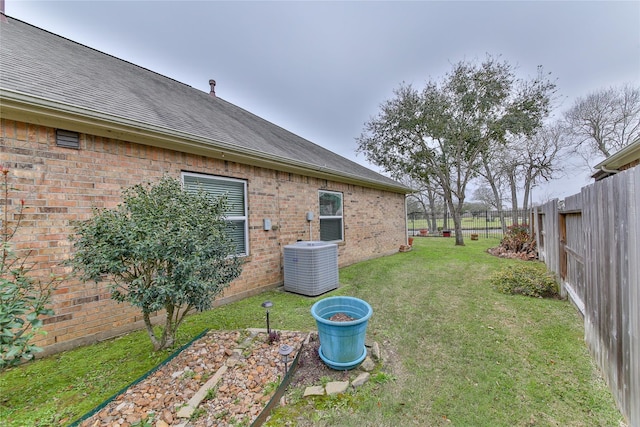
[{"x": 459, "y": 353}]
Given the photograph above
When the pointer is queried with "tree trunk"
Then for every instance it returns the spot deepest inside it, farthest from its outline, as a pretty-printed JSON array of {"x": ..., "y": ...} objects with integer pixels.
[
  {"x": 434, "y": 220},
  {"x": 433, "y": 226},
  {"x": 496, "y": 194},
  {"x": 528, "y": 181},
  {"x": 152, "y": 335},
  {"x": 169, "y": 332},
  {"x": 168, "y": 337},
  {"x": 457, "y": 221},
  {"x": 503, "y": 221},
  {"x": 514, "y": 199}
]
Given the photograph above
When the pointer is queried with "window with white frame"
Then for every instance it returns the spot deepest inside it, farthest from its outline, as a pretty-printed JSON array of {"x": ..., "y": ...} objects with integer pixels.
[
  {"x": 236, "y": 192},
  {"x": 331, "y": 219}
]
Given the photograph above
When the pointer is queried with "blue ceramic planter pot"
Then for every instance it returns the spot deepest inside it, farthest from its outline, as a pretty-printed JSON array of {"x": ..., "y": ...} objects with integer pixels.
[{"x": 342, "y": 343}]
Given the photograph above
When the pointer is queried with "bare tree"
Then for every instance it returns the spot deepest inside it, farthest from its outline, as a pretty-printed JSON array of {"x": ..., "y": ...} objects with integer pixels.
[
  {"x": 426, "y": 200},
  {"x": 518, "y": 164},
  {"x": 427, "y": 197},
  {"x": 498, "y": 167},
  {"x": 542, "y": 158},
  {"x": 487, "y": 197},
  {"x": 604, "y": 121}
]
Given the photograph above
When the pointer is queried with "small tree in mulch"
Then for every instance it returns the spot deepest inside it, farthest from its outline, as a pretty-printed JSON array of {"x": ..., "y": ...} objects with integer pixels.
[
  {"x": 517, "y": 243},
  {"x": 162, "y": 248},
  {"x": 23, "y": 298}
]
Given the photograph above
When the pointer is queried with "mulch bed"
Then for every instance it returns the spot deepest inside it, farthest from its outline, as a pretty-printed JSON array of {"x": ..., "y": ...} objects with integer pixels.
[
  {"x": 311, "y": 369},
  {"x": 501, "y": 252}
]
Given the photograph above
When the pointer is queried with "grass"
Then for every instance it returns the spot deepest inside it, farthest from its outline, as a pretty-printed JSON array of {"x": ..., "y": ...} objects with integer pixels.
[
  {"x": 459, "y": 353},
  {"x": 462, "y": 353}
]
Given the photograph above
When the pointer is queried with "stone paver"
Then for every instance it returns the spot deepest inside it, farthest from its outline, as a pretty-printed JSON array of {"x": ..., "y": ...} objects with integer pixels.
[
  {"x": 361, "y": 379},
  {"x": 316, "y": 390},
  {"x": 337, "y": 387}
]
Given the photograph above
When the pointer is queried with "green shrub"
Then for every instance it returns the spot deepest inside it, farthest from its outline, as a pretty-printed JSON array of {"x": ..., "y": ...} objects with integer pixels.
[
  {"x": 163, "y": 248},
  {"x": 23, "y": 299},
  {"x": 529, "y": 279}
]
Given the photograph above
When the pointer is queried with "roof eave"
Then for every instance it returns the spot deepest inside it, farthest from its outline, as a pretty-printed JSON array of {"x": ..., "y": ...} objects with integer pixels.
[
  {"x": 612, "y": 163},
  {"x": 23, "y": 107}
]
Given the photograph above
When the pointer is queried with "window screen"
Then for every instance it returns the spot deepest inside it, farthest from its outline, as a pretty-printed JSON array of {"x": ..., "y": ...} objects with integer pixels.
[
  {"x": 236, "y": 192},
  {"x": 331, "y": 218}
]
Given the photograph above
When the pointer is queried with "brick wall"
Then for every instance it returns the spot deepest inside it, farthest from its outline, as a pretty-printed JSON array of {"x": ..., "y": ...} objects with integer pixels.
[
  {"x": 62, "y": 185},
  {"x": 630, "y": 165}
]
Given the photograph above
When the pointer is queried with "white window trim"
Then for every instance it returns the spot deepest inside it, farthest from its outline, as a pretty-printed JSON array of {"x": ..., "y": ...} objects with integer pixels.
[
  {"x": 341, "y": 217},
  {"x": 244, "y": 218}
]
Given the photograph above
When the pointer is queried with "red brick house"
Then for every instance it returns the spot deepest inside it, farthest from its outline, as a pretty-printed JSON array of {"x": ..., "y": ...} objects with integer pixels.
[{"x": 78, "y": 126}]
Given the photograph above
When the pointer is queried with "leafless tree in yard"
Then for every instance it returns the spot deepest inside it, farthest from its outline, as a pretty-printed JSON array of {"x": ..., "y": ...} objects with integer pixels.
[
  {"x": 604, "y": 121},
  {"x": 520, "y": 162},
  {"x": 427, "y": 197}
]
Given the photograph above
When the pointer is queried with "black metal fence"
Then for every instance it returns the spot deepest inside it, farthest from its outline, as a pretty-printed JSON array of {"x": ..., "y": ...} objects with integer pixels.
[{"x": 487, "y": 224}]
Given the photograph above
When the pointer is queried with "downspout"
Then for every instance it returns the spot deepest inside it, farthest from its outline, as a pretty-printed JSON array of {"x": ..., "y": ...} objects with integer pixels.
[{"x": 610, "y": 171}]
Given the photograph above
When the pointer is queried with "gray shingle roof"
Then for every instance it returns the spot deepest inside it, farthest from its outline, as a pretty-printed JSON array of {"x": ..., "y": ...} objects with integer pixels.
[{"x": 40, "y": 65}]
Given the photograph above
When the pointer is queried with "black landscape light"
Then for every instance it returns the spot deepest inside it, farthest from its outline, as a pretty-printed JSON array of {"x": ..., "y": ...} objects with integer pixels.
[
  {"x": 267, "y": 305},
  {"x": 285, "y": 351}
]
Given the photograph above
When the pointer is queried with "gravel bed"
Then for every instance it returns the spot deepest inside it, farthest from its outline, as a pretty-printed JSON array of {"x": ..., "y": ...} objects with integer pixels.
[{"x": 254, "y": 371}]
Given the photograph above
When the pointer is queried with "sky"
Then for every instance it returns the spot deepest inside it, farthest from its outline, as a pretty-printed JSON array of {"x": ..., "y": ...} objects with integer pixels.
[{"x": 322, "y": 69}]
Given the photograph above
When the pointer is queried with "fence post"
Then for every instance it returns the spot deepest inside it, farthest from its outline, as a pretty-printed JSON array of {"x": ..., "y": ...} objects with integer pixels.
[{"x": 486, "y": 224}]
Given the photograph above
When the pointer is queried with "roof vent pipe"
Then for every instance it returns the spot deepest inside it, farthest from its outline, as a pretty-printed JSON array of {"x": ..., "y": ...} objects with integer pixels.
[
  {"x": 3, "y": 18},
  {"x": 212, "y": 83}
]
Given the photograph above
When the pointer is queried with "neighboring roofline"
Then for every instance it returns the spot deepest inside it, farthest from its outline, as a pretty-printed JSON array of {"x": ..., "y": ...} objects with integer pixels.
[
  {"x": 24, "y": 107},
  {"x": 613, "y": 163}
]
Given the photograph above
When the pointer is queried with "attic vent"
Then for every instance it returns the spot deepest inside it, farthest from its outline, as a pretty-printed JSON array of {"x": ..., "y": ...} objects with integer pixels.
[{"x": 67, "y": 139}]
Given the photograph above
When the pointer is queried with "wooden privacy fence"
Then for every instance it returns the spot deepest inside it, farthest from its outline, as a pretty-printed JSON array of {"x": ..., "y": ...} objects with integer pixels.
[{"x": 591, "y": 241}]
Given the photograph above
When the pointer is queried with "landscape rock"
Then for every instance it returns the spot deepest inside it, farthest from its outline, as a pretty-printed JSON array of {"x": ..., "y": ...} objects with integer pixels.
[
  {"x": 360, "y": 379},
  {"x": 167, "y": 390},
  {"x": 316, "y": 390},
  {"x": 375, "y": 351},
  {"x": 368, "y": 365},
  {"x": 337, "y": 387},
  {"x": 240, "y": 393}
]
